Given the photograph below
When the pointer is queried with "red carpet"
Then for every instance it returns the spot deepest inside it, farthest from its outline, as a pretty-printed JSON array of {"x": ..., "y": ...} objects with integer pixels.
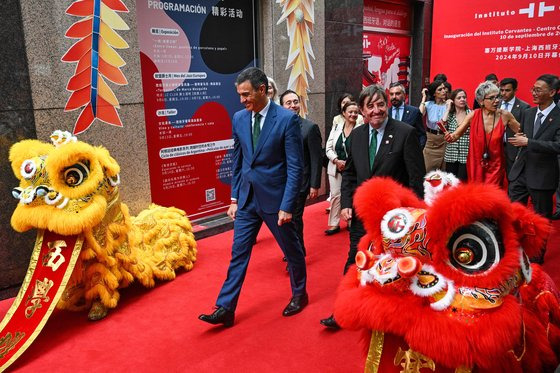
[
  {"x": 157, "y": 330},
  {"x": 552, "y": 256}
]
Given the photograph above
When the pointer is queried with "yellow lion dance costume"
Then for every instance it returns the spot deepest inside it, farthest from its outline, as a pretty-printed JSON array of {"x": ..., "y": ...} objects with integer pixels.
[{"x": 71, "y": 188}]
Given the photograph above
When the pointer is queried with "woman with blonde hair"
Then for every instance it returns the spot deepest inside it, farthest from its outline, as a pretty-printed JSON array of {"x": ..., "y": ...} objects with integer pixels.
[
  {"x": 338, "y": 121},
  {"x": 337, "y": 144},
  {"x": 272, "y": 92}
]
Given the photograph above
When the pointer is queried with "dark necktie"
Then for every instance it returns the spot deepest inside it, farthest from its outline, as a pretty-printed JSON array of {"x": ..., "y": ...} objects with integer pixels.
[
  {"x": 372, "y": 148},
  {"x": 538, "y": 123},
  {"x": 506, "y": 106},
  {"x": 256, "y": 130}
]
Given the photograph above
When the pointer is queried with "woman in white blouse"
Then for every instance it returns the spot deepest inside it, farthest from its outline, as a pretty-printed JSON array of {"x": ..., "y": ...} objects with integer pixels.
[{"x": 337, "y": 144}]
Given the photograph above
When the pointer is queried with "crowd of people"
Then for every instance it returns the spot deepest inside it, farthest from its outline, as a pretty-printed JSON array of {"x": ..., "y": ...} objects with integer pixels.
[
  {"x": 503, "y": 141},
  {"x": 482, "y": 144}
]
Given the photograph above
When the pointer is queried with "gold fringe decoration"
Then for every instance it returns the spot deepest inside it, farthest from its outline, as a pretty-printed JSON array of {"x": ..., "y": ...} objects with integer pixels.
[{"x": 300, "y": 17}]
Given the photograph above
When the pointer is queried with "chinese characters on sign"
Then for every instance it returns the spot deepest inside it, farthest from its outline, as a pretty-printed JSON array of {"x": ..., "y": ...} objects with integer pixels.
[
  {"x": 386, "y": 17},
  {"x": 517, "y": 38},
  {"x": 386, "y": 43},
  {"x": 190, "y": 57}
]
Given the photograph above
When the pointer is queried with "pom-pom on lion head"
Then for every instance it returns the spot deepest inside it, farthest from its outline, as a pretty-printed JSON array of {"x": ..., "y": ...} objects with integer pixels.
[
  {"x": 436, "y": 182},
  {"x": 64, "y": 188}
]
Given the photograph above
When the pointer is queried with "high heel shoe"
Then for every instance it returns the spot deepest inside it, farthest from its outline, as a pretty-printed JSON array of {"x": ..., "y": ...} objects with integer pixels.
[{"x": 330, "y": 232}]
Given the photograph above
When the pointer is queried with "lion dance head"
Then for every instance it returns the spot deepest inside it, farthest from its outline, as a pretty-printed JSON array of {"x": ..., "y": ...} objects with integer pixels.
[
  {"x": 448, "y": 285},
  {"x": 71, "y": 188}
]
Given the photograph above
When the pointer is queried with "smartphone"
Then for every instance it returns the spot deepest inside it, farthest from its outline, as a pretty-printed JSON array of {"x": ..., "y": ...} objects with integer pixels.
[{"x": 441, "y": 126}]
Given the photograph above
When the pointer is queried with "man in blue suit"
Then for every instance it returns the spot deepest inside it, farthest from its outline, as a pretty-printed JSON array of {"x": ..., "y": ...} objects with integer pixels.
[
  {"x": 406, "y": 113},
  {"x": 267, "y": 174}
]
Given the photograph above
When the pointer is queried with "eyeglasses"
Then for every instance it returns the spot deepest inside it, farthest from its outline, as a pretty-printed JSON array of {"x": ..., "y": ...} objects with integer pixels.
[
  {"x": 493, "y": 98},
  {"x": 537, "y": 90}
]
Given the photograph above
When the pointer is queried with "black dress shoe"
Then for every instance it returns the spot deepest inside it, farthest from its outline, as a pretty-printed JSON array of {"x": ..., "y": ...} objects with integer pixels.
[
  {"x": 296, "y": 305},
  {"x": 330, "y": 232},
  {"x": 219, "y": 316},
  {"x": 330, "y": 322}
]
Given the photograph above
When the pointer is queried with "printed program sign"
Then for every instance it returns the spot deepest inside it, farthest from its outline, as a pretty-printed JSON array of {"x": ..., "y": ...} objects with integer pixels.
[
  {"x": 516, "y": 38},
  {"x": 386, "y": 58},
  {"x": 190, "y": 54},
  {"x": 386, "y": 43}
]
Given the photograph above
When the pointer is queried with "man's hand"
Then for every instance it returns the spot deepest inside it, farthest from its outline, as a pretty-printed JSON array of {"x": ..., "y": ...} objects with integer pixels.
[
  {"x": 284, "y": 217},
  {"x": 232, "y": 210},
  {"x": 520, "y": 139},
  {"x": 346, "y": 214},
  {"x": 313, "y": 193}
]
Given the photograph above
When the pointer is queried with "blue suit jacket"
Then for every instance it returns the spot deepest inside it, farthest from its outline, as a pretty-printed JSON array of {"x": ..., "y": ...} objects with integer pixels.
[
  {"x": 273, "y": 172},
  {"x": 412, "y": 116}
]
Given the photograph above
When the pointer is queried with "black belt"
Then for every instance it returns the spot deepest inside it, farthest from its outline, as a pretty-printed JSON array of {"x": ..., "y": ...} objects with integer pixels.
[{"x": 435, "y": 132}]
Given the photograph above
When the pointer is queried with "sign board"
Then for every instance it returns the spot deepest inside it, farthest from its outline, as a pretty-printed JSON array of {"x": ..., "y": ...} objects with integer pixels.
[{"x": 190, "y": 54}]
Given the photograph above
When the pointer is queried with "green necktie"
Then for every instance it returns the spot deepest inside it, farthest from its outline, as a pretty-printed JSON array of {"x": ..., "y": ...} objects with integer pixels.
[
  {"x": 256, "y": 130},
  {"x": 372, "y": 148}
]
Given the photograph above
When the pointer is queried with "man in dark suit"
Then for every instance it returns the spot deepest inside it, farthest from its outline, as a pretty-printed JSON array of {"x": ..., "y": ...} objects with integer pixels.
[
  {"x": 406, "y": 113},
  {"x": 508, "y": 87},
  {"x": 535, "y": 171},
  {"x": 556, "y": 215},
  {"x": 385, "y": 147},
  {"x": 312, "y": 160},
  {"x": 267, "y": 172}
]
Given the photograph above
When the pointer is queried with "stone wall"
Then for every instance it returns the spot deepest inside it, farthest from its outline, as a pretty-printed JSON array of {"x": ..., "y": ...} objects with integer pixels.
[
  {"x": 32, "y": 98},
  {"x": 337, "y": 46},
  {"x": 16, "y": 123},
  {"x": 343, "y": 51}
]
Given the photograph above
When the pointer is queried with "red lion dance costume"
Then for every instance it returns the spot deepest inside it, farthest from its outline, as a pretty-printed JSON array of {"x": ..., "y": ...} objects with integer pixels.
[{"x": 448, "y": 287}]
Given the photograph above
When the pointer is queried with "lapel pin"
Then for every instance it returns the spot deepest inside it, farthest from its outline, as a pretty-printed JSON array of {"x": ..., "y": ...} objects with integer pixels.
[
  {"x": 390, "y": 136},
  {"x": 550, "y": 119},
  {"x": 386, "y": 141}
]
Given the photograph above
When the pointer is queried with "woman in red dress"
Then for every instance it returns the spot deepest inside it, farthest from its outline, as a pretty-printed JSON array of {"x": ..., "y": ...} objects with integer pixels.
[{"x": 486, "y": 162}]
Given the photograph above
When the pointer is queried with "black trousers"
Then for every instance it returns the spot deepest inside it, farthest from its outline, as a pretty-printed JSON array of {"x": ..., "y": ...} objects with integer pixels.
[
  {"x": 458, "y": 169},
  {"x": 542, "y": 199},
  {"x": 357, "y": 231},
  {"x": 558, "y": 192}
]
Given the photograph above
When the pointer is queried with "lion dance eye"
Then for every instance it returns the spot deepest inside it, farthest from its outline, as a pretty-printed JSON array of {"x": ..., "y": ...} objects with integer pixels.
[
  {"x": 464, "y": 255},
  {"x": 475, "y": 248},
  {"x": 76, "y": 174},
  {"x": 28, "y": 169}
]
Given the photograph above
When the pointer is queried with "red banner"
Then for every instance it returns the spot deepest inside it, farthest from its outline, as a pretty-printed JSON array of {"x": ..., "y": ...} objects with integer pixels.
[
  {"x": 50, "y": 268},
  {"x": 386, "y": 59},
  {"x": 386, "y": 17},
  {"x": 517, "y": 38}
]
